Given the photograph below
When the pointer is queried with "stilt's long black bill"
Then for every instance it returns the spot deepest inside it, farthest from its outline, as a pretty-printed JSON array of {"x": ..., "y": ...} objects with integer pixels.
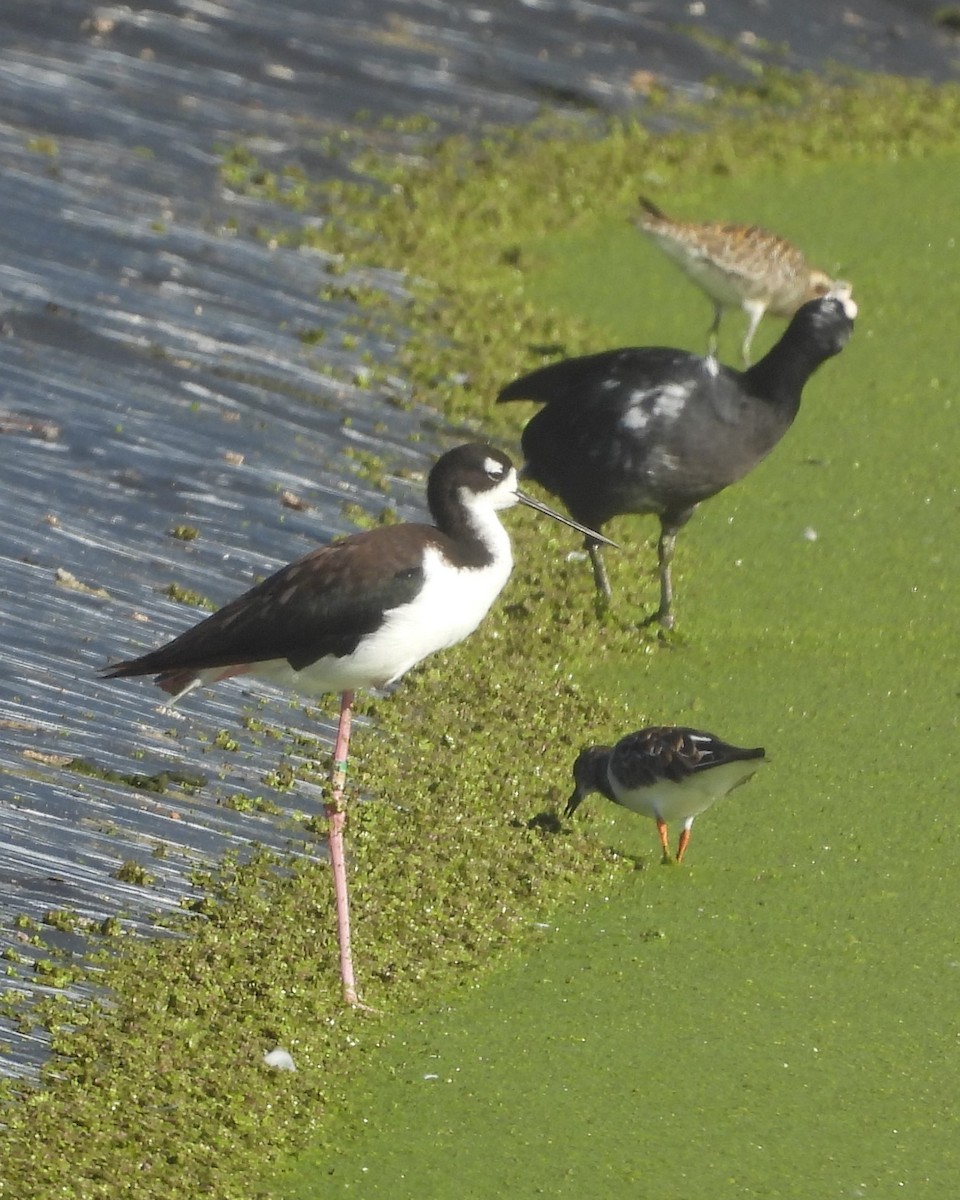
[{"x": 549, "y": 512}]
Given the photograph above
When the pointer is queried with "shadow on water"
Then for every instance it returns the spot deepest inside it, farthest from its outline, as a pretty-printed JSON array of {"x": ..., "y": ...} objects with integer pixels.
[{"x": 153, "y": 375}]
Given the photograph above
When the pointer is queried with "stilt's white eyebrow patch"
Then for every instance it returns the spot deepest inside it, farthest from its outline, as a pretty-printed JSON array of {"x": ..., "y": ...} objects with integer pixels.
[{"x": 492, "y": 467}]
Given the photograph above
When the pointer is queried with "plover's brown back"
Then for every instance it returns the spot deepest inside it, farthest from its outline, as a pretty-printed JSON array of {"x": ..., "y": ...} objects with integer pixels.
[{"x": 738, "y": 266}]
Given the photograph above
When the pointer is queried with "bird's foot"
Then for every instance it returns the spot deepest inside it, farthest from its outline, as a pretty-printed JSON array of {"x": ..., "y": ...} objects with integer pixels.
[
  {"x": 168, "y": 710},
  {"x": 666, "y": 621},
  {"x": 351, "y": 999},
  {"x": 601, "y": 605},
  {"x": 546, "y": 822}
]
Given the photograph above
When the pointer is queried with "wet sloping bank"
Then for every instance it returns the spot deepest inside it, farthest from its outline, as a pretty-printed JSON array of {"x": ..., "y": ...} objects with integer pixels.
[
  {"x": 164, "y": 368},
  {"x": 186, "y": 402}
]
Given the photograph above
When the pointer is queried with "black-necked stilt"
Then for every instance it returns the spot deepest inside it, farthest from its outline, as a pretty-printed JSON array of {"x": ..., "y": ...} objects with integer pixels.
[
  {"x": 738, "y": 266},
  {"x": 654, "y": 430},
  {"x": 361, "y": 612},
  {"x": 666, "y": 772}
]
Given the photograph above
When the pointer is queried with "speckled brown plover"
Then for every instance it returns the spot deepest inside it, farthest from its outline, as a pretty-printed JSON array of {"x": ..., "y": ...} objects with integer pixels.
[{"x": 738, "y": 266}]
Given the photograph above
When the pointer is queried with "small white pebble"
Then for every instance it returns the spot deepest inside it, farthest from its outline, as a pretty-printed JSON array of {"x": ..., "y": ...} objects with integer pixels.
[{"x": 280, "y": 1059}]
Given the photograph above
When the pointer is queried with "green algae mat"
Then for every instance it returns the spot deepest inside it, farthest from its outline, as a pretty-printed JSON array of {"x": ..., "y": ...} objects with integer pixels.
[
  {"x": 780, "y": 1017},
  {"x": 557, "y": 1014}
]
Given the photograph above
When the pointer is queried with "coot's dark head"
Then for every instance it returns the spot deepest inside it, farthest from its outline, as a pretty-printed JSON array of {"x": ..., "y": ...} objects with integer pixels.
[{"x": 827, "y": 322}]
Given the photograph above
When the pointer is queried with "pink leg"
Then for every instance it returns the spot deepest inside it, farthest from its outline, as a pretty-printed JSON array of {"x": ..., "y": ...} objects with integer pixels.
[{"x": 337, "y": 816}]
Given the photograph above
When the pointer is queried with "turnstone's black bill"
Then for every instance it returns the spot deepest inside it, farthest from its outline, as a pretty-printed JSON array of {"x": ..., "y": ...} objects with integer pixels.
[
  {"x": 666, "y": 772},
  {"x": 360, "y": 613},
  {"x": 738, "y": 266},
  {"x": 655, "y": 430}
]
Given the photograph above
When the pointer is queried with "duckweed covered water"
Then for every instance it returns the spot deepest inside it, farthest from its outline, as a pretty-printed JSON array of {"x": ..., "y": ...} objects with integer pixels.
[
  {"x": 778, "y": 1017},
  {"x": 163, "y": 1091}
]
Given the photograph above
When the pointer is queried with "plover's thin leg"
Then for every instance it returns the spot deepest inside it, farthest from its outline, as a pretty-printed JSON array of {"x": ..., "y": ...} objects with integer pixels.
[
  {"x": 754, "y": 310},
  {"x": 714, "y": 330}
]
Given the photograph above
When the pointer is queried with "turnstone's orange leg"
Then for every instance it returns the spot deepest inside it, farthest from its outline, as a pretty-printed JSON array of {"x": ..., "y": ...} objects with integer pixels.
[{"x": 664, "y": 839}]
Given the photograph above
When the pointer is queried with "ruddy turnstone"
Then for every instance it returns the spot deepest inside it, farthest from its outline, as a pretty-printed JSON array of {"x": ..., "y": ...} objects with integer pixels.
[{"x": 666, "y": 772}]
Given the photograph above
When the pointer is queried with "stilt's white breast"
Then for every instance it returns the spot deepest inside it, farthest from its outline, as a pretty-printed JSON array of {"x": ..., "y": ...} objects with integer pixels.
[{"x": 450, "y": 605}]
